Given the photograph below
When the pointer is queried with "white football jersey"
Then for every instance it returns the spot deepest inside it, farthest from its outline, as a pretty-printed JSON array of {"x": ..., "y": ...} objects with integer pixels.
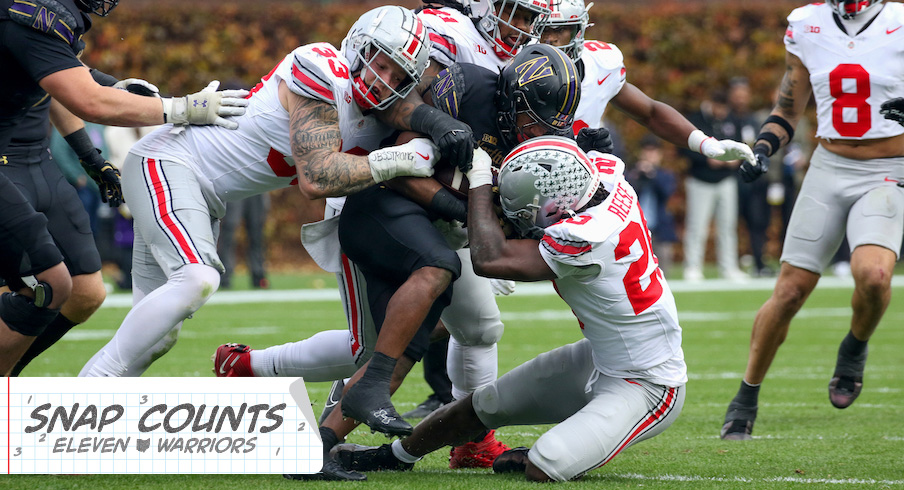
[
  {"x": 256, "y": 157},
  {"x": 851, "y": 76},
  {"x": 604, "y": 77},
  {"x": 455, "y": 39},
  {"x": 608, "y": 275}
]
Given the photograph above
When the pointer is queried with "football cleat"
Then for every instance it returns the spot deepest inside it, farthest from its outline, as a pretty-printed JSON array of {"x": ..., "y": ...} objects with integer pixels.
[
  {"x": 511, "y": 461},
  {"x": 332, "y": 399},
  {"x": 368, "y": 458},
  {"x": 847, "y": 382},
  {"x": 232, "y": 361},
  {"x": 477, "y": 454},
  {"x": 738, "y": 425},
  {"x": 331, "y": 471},
  {"x": 425, "y": 408},
  {"x": 371, "y": 405}
]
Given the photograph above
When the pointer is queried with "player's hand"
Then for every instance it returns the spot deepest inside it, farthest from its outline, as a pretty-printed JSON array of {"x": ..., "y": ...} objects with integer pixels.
[
  {"x": 455, "y": 141},
  {"x": 206, "y": 107},
  {"x": 106, "y": 176},
  {"x": 138, "y": 86},
  {"x": 481, "y": 171},
  {"x": 597, "y": 139},
  {"x": 893, "y": 109},
  {"x": 726, "y": 150},
  {"x": 752, "y": 171},
  {"x": 502, "y": 287},
  {"x": 413, "y": 159}
]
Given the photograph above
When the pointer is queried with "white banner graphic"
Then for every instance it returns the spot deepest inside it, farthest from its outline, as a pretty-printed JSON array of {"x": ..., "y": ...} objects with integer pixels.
[{"x": 157, "y": 425}]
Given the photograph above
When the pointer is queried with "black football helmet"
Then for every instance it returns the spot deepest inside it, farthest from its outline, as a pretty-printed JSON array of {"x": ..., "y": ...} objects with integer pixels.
[
  {"x": 542, "y": 82},
  {"x": 101, "y": 8}
]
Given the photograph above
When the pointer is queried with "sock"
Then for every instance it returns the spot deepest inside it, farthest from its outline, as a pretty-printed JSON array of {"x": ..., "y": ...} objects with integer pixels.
[
  {"x": 748, "y": 394},
  {"x": 54, "y": 332},
  {"x": 399, "y": 452},
  {"x": 330, "y": 439},
  {"x": 326, "y": 356},
  {"x": 850, "y": 346},
  {"x": 380, "y": 369}
]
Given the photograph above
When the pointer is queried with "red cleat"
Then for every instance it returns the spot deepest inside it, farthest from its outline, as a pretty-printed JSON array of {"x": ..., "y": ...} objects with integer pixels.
[
  {"x": 477, "y": 454},
  {"x": 232, "y": 361}
]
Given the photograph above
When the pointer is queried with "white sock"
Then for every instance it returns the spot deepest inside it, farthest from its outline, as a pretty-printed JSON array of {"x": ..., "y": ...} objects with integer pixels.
[
  {"x": 470, "y": 367},
  {"x": 399, "y": 452},
  {"x": 152, "y": 319},
  {"x": 327, "y": 356}
]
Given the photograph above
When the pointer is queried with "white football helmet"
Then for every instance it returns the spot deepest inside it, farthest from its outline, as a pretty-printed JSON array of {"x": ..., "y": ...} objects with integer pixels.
[
  {"x": 572, "y": 14},
  {"x": 400, "y": 35},
  {"x": 848, "y": 9},
  {"x": 544, "y": 180},
  {"x": 488, "y": 14}
]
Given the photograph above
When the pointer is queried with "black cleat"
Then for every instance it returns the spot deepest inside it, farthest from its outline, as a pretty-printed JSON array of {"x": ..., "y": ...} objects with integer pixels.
[
  {"x": 373, "y": 407},
  {"x": 331, "y": 471},
  {"x": 368, "y": 458},
  {"x": 511, "y": 461},
  {"x": 425, "y": 408},
  {"x": 847, "y": 382},
  {"x": 332, "y": 399},
  {"x": 739, "y": 421}
]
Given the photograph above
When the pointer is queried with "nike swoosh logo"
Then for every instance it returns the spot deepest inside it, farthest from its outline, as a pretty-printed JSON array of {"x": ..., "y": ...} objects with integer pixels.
[
  {"x": 889, "y": 31},
  {"x": 425, "y": 157},
  {"x": 600, "y": 82},
  {"x": 891, "y": 180},
  {"x": 223, "y": 371}
]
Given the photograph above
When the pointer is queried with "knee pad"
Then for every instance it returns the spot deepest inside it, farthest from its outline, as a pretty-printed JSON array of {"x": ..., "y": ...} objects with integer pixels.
[
  {"x": 198, "y": 282},
  {"x": 22, "y": 315}
]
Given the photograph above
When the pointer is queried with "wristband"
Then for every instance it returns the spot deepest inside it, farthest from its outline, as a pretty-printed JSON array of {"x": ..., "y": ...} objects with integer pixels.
[
  {"x": 81, "y": 143},
  {"x": 772, "y": 139},
  {"x": 102, "y": 78},
  {"x": 781, "y": 122},
  {"x": 695, "y": 140}
]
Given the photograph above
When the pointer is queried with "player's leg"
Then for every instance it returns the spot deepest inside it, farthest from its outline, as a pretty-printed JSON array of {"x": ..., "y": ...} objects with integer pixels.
[
  {"x": 727, "y": 228},
  {"x": 874, "y": 230},
  {"x": 173, "y": 218},
  {"x": 393, "y": 241},
  {"x": 815, "y": 231},
  {"x": 700, "y": 208}
]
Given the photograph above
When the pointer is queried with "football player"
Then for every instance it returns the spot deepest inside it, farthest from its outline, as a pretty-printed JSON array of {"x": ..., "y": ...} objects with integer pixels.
[
  {"x": 39, "y": 46},
  {"x": 837, "y": 51},
  {"x": 582, "y": 228},
  {"x": 308, "y": 123}
]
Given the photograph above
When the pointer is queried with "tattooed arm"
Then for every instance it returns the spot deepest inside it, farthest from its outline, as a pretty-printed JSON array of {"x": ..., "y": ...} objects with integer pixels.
[
  {"x": 323, "y": 170},
  {"x": 793, "y": 96}
]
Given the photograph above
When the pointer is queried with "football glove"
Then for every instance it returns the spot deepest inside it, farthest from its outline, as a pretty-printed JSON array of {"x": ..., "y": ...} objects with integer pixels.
[
  {"x": 595, "y": 139},
  {"x": 206, "y": 107},
  {"x": 724, "y": 150},
  {"x": 453, "y": 137},
  {"x": 752, "y": 171},
  {"x": 413, "y": 159},
  {"x": 106, "y": 176},
  {"x": 893, "y": 109},
  {"x": 481, "y": 172},
  {"x": 502, "y": 287},
  {"x": 138, "y": 86}
]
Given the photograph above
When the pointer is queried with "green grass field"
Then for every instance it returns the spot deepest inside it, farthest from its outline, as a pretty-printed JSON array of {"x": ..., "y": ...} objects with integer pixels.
[{"x": 800, "y": 441}]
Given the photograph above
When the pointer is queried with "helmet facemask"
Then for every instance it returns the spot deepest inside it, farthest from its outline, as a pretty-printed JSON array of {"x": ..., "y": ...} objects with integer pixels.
[
  {"x": 850, "y": 9},
  {"x": 573, "y": 15},
  {"x": 363, "y": 91},
  {"x": 100, "y": 8},
  {"x": 504, "y": 13}
]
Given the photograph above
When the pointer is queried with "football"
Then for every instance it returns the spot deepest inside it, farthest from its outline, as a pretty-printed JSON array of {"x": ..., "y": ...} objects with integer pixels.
[{"x": 448, "y": 175}]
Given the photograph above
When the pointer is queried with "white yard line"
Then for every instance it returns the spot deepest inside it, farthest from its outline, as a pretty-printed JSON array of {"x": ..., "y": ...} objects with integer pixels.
[{"x": 755, "y": 481}]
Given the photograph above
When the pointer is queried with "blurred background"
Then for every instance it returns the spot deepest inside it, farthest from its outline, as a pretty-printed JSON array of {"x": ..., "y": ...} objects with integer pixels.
[{"x": 679, "y": 52}]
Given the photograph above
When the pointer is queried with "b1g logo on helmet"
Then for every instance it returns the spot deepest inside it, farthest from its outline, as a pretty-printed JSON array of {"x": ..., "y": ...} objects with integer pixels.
[{"x": 534, "y": 69}]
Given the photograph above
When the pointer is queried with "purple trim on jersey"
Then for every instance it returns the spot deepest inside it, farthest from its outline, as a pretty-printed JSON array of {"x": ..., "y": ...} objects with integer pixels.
[{"x": 44, "y": 20}]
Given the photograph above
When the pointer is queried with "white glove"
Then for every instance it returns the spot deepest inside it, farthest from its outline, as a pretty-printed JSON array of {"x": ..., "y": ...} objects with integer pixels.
[
  {"x": 206, "y": 107},
  {"x": 413, "y": 159},
  {"x": 502, "y": 287},
  {"x": 724, "y": 150},
  {"x": 138, "y": 86},
  {"x": 481, "y": 172}
]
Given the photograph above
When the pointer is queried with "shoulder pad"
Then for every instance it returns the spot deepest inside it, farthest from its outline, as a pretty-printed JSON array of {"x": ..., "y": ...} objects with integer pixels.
[
  {"x": 316, "y": 69},
  {"x": 801, "y": 13},
  {"x": 449, "y": 89},
  {"x": 605, "y": 55},
  {"x": 47, "y": 16}
]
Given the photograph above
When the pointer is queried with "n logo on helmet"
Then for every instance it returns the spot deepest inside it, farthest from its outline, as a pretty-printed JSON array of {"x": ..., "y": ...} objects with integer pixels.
[{"x": 533, "y": 70}]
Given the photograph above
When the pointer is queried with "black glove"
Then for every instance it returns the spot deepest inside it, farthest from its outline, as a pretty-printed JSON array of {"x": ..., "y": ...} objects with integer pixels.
[
  {"x": 106, "y": 176},
  {"x": 750, "y": 172},
  {"x": 594, "y": 140},
  {"x": 893, "y": 109},
  {"x": 453, "y": 137}
]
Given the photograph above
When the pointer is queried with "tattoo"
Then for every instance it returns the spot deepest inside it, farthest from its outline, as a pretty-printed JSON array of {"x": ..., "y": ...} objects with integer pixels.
[
  {"x": 398, "y": 115},
  {"x": 786, "y": 92},
  {"x": 316, "y": 143}
]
